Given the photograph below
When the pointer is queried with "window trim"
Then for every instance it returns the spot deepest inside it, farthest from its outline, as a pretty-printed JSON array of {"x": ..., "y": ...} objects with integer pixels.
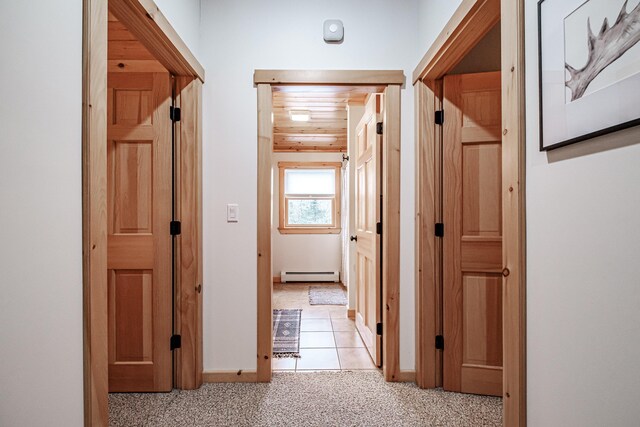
[{"x": 335, "y": 228}]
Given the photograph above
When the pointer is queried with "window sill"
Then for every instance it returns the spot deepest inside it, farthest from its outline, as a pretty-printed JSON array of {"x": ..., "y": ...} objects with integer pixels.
[{"x": 310, "y": 230}]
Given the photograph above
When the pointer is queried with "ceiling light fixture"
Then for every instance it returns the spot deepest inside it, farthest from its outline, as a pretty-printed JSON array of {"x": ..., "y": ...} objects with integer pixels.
[{"x": 300, "y": 116}]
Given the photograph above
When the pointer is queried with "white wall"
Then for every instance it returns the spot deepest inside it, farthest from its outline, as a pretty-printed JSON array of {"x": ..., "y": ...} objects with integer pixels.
[
  {"x": 302, "y": 252},
  {"x": 240, "y": 37},
  {"x": 583, "y": 282},
  {"x": 433, "y": 15},
  {"x": 184, "y": 16},
  {"x": 41, "y": 214}
]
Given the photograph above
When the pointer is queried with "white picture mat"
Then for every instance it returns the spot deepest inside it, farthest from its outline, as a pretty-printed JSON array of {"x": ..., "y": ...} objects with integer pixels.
[
  {"x": 610, "y": 106},
  {"x": 577, "y": 49}
]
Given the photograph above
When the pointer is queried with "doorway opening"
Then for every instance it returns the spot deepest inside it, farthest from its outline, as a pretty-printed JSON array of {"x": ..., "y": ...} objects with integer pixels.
[
  {"x": 363, "y": 334},
  {"x": 470, "y": 238},
  {"x": 142, "y": 269},
  {"x": 315, "y": 291}
]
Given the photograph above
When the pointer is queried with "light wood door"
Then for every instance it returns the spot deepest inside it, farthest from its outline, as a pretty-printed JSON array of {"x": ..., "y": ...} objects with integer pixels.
[
  {"x": 472, "y": 244},
  {"x": 368, "y": 196},
  {"x": 139, "y": 242}
]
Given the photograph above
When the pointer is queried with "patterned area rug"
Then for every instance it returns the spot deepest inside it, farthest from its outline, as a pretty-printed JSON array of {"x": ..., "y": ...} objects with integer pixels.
[
  {"x": 327, "y": 295},
  {"x": 286, "y": 333}
]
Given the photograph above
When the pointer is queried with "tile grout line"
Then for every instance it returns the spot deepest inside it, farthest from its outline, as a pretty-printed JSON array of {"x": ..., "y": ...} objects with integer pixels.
[{"x": 335, "y": 342}]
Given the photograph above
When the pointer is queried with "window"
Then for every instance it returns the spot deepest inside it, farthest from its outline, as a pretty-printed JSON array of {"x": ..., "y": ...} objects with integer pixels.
[{"x": 309, "y": 197}]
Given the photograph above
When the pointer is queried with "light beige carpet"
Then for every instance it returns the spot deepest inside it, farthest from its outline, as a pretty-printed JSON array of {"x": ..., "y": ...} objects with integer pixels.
[{"x": 307, "y": 399}]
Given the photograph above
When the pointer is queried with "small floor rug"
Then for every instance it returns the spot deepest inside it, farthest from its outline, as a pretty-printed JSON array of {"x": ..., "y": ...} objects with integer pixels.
[
  {"x": 286, "y": 332},
  {"x": 327, "y": 295}
]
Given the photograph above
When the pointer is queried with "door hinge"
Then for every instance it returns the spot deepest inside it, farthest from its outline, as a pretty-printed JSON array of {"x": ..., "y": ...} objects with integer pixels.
[
  {"x": 175, "y": 228},
  {"x": 378, "y": 328},
  {"x": 439, "y": 117},
  {"x": 379, "y": 228},
  {"x": 439, "y": 342},
  {"x": 175, "y": 342},
  {"x": 439, "y": 231},
  {"x": 379, "y": 127},
  {"x": 174, "y": 114}
]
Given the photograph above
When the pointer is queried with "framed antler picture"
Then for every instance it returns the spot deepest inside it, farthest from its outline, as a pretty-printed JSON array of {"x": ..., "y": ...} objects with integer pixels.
[{"x": 589, "y": 65}]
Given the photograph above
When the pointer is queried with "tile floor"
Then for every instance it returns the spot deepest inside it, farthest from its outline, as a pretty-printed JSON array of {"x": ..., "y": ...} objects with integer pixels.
[{"x": 328, "y": 339}]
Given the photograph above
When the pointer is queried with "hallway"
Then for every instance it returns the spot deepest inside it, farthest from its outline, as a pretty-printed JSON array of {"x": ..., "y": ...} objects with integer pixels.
[
  {"x": 316, "y": 399},
  {"x": 328, "y": 339}
]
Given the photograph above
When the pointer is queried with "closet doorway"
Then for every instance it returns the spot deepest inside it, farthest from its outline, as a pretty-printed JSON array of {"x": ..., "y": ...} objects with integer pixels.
[
  {"x": 142, "y": 269},
  {"x": 470, "y": 233}
]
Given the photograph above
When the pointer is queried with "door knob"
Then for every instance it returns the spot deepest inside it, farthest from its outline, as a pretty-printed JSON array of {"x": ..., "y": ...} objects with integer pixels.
[{"x": 353, "y": 238}]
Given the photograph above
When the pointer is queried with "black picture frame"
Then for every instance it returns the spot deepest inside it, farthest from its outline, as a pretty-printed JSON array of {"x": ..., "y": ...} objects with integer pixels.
[{"x": 584, "y": 137}]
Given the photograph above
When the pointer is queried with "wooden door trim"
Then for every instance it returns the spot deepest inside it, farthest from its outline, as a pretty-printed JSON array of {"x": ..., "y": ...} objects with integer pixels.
[
  {"x": 467, "y": 26},
  {"x": 329, "y": 77},
  {"x": 265, "y": 202},
  {"x": 263, "y": 79},
  {"x": 391, "y": 234},
  {"x": 188, "y": 364},
  {"x": 514, "y": 212},
  {"x": 94, "y": 200},
  {"x": 428, "y": 251},
  {"x": 471, "y": 21},
  {"x": 94, "y": 212},
  {"x": 145, "y": 20}
]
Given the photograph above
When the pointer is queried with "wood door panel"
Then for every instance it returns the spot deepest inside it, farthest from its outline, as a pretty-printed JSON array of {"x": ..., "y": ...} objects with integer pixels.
[
  {"x": 482, "y": 320},
  {"x": 480, "y": 256},
  {"x": 131, "y": 133},
  {"x": 138, "y": 241},
  {"x": 131, "y": 297},
  {"x": 472, "y": 245},
  {"x": 130, "y": 81},
  {"x": 132, "y": 107},
  {"x": 480, "y": 108},
  {"x": 481, "y": 380},
  {"x": 482, "y": 196},
  {"x": 484, "y": 134},
  {"x": 130, "y": 251},
  {"x": 368, "y": 190},
  {"x": 129, "y": 164}
]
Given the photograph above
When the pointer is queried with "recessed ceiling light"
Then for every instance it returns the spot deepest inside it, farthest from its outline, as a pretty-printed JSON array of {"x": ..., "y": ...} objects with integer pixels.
[{"x": 300, "y": 116}]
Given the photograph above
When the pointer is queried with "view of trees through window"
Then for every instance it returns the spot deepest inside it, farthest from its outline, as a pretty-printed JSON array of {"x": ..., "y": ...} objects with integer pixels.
[{"x": 310, "y": 212}]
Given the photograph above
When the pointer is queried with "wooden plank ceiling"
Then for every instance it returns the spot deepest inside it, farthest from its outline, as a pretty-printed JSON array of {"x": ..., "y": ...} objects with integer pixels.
[
  {"x": 326, "y": 129},
  {"x": 126, "y": 54}
]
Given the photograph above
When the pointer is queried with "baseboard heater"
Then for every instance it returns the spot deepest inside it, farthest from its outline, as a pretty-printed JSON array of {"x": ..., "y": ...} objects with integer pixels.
[{"x": 309, "y": 276}]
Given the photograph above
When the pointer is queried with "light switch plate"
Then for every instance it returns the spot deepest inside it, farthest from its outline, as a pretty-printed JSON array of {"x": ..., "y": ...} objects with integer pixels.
[
  {"x": 333, "y": 31},
  {"x": 232, "y": 212}
]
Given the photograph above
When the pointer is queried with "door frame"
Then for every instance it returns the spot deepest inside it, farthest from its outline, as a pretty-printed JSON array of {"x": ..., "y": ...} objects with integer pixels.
[
  {"x": 393, "y": 80},
  {"x": 147, "y": 23},
  {"x": 469, "y": 24}
]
